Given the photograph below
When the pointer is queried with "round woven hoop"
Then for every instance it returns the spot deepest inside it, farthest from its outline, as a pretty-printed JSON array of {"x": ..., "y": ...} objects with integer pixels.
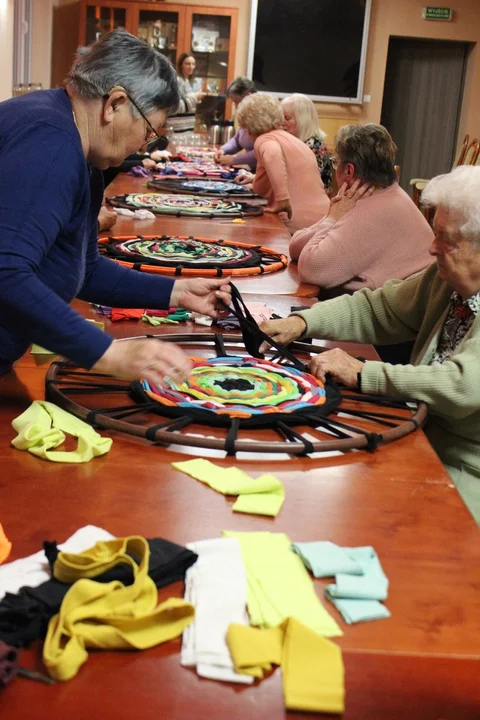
[
  {"x": 267, "y": 260},
  {"x": 360, "y": 421}
]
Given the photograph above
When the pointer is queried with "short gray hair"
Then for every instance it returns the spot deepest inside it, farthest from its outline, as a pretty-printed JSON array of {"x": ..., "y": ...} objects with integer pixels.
[
  {"x": 371, "y": 151},
  {"x": 458, "y": 193},
  {"x": 119, "y": 58}
]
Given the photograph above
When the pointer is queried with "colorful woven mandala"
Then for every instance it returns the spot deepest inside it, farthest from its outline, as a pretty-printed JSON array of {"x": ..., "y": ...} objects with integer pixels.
[
  {"x": 244, "y": 388},
  {"x": 163, "y": 204},
  {"x": 177, "y": 255},
  {"x": 207, "y": 188},
  {"x": 198, "y": 168}
]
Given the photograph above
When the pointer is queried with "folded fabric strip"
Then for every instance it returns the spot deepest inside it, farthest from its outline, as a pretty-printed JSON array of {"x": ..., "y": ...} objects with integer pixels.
[
  {"x": 5, "y": 545},
  {"x": 155, "y": 321},
  {"x": 24, "y": 617},
  {"x": 354, "y": 611},
  {"x": 278, "y": 584},
  {"x": 326, "y": 559},
  {"x": 371, "y": 585},
  {"x": 312, "y": 667},
  {"x": 217, "y": 586},
  {"x": 263, "y": 496},
  {"x": 33, "y": 570},
  {"x": 112, "y": 615},
  {"x": 43, "y": 426},
  {"x": 126, "y": 314}
]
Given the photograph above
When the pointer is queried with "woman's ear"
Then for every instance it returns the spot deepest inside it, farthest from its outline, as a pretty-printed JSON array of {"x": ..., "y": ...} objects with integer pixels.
[{"x": 116, "y": 98}]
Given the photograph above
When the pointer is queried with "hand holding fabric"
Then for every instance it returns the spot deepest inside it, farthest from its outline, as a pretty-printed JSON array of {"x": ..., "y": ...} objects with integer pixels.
[
  {"x": 147, "y": 359},
  {"x": 283, "y": 331},
  {"x": 202, "y": 295},
  {"x": 343, "y": 367}
]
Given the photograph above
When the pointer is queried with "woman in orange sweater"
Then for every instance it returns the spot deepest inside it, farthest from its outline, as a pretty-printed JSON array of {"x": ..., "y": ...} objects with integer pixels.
[{"x": 287, "y": 173}]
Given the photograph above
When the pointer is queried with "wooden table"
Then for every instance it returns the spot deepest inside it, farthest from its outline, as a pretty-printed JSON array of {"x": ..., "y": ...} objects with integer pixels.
[
  {"x": 421, "y": 664},
  {"x": 267, "y": 230}
]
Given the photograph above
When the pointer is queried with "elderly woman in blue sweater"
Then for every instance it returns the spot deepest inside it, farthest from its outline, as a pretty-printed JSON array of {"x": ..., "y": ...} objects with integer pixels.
[{"x": 118, "y": 93}]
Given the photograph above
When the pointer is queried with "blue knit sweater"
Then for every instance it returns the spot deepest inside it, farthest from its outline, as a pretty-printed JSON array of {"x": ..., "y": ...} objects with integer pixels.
[{"x": 49, "y": 204}]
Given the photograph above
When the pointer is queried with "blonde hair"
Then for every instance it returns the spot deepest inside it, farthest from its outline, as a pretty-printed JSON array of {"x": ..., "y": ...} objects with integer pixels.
[
  {"x": 260, "y": 113},
  {"x": 305, "y": 115}
]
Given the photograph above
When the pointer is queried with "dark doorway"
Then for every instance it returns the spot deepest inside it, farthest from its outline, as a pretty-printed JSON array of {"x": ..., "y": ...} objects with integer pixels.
[{"x": 422, "y": 102}]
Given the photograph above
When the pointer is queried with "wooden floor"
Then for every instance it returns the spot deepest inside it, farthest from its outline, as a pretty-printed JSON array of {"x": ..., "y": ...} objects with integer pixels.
[{"x": 421, "y": 664}]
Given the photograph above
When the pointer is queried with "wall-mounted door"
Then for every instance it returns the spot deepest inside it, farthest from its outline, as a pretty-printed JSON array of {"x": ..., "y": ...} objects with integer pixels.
[{"x": 422, "y": 103}]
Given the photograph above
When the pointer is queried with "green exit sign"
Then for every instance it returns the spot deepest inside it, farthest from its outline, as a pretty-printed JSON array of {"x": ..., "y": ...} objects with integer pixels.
[{"x": 437, "y": 13}]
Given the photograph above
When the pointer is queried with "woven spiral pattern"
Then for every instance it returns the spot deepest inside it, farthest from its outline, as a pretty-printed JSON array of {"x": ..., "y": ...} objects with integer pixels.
[
  {"x": 241, "y": 387},
  {"x": 188, "y": 250}
]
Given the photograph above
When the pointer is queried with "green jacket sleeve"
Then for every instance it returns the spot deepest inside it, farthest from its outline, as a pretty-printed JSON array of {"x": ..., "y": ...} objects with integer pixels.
[
  {"x": 391, "y": 314},
  {"x": 451, "y": 389}
]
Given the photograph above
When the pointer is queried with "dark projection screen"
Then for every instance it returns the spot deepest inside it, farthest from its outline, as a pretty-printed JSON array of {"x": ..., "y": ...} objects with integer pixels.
[{"x": 309, "y": 46}]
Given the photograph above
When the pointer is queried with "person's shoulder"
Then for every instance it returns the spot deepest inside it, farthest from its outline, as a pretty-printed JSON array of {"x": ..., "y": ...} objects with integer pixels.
[{"x": 42, "y": 106}]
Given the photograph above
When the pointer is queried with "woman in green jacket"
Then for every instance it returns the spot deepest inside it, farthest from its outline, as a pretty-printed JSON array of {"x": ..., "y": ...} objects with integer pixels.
[{"x": 438, "y": 308}]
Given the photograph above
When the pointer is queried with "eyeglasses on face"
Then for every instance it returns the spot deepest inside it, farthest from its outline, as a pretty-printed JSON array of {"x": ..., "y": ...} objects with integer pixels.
[{"x": 151, "y": 135}]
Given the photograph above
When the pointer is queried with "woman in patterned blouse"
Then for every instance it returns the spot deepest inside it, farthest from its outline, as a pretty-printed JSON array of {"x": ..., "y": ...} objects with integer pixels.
[{"x": 301, "y": 120}]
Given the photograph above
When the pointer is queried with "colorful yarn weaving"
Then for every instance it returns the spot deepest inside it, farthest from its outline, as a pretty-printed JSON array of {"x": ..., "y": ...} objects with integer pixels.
[
  {"x": 164, "y": 204},
  {"x": 241, "y": 387},
  {"x": 188, "y": 255},
  {"x": 207, "y": 188},
  {"x": 198, "y": 168}
]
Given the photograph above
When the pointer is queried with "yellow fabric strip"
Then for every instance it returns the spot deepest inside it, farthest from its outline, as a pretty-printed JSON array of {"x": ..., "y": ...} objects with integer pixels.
[
  {"x": 279, "y": 586},
  {"x": 263, "y": 496},
  {"x": 70, "y": 567},
  {"x": 109, "y": 615},
  {"x": 312, "y": 667},
  {"x": 5, "y": 545},
  {"x": 43, "y": 426}
]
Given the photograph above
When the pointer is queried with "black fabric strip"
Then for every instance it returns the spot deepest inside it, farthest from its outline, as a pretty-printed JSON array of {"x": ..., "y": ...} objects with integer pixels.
[
  {"x": 232, "y": 436},
  {"x": 220, "y": 346},
  {"x": 178, "y": 270},
  {"x": 295, "y": 437},
  {"x": 169, "y": 426}
]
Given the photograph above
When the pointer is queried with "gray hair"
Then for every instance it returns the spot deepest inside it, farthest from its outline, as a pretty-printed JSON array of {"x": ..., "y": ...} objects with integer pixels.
[
  {"x": 241, "y": 86},
  {"x": 119, "y": 58},
  {"x": 370, "y": 149},
  {"x": 458, "y": 193}
]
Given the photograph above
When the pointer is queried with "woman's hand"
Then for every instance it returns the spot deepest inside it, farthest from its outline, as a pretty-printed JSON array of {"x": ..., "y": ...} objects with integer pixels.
[
  {"x": 106, "y": 219},
  {"x": 149, "y": 164},
  {"x": 226, "y": 159},
  {"x": 148, "y": 359},
  {"x": 202, "y": 295},
  {"x": 199, "y": 95},
  {"x": 283, "y": 331},
  {"x": 158, "y": 155},
  {"x": 281, "y": 206},
  {"x": 347, "y": 198},
  {"x": 343, "y": 367},
  {"x": 244, "y": 177},
  {"x": 218, "y": 155}
]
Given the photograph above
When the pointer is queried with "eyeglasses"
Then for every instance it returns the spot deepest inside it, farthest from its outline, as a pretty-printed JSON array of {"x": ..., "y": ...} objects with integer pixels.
[{"x": 151, "y": 136}]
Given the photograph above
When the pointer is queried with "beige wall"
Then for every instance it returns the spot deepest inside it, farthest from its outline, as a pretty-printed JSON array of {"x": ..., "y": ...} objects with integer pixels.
[
  {"x": 42, "y": 41},
  {"x": 404, "y": 18},
  {"x": 6, "y": 48}
]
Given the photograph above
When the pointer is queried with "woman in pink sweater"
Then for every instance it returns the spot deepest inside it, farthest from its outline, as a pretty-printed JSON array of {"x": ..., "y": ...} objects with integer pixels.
[
  {"x": 287, "y": 174},
  {"x": 372, "y": 232}
]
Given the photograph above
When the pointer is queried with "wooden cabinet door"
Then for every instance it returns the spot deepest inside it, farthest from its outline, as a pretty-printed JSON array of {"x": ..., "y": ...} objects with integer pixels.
[
  {"x": 98, "y": 18},
  {"x": 162, "y": 26}
]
